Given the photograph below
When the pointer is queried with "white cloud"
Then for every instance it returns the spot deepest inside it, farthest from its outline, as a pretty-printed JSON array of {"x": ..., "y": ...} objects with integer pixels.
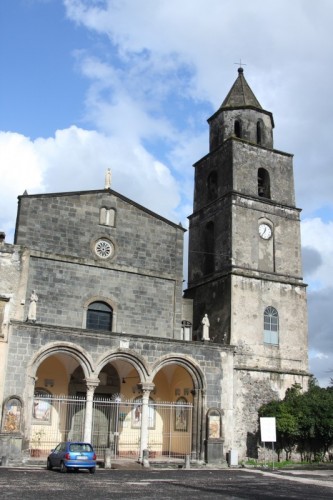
[
  {"x": 76, "y": 159},
  {"x": 317, "y": 236},
  {"x": 21, "y": 169}
]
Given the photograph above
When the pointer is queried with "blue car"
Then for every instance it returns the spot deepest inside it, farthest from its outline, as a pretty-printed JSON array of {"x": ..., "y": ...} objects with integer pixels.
[{"x": 70, "y": 456}]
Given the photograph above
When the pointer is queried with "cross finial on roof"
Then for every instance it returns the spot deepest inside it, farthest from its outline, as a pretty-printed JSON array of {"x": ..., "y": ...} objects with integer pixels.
[{"x": 240, "y": 64}]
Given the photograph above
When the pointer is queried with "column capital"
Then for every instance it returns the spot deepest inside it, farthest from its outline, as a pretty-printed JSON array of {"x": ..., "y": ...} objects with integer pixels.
[
  {"x": 91, "y": 384},
  {"x": 146, "y": 387}
]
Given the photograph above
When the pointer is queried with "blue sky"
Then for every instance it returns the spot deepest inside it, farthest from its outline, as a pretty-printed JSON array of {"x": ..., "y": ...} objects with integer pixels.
[{"x": 88, "y": 85}]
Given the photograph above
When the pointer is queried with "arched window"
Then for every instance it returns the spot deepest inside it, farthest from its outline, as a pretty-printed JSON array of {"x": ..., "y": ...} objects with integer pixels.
[
  {"x": 99, "y": 316},
  {"x": 238, "y": 128},
  {"x": 259, "y": 132},
  {"x": 212, "y": 185},
  {"x": 107, "y": 216},
  {"x": 264, "y": 188},
  {"x": 271, "y": 326}
]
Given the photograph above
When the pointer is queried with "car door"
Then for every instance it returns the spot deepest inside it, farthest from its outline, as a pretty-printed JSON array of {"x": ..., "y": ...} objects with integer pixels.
[{"x": 58, "y": 454}]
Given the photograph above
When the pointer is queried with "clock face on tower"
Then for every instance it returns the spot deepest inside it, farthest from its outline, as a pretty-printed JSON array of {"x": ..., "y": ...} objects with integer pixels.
[{"x": 265, "y": 231}]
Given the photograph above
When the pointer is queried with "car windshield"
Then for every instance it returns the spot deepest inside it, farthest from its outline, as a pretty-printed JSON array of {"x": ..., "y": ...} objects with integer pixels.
[{"x": 80, "y": 447}]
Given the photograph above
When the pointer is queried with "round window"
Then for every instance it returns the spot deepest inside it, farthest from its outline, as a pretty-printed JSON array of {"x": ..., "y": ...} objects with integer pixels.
[{"x": 104, "y": 249}]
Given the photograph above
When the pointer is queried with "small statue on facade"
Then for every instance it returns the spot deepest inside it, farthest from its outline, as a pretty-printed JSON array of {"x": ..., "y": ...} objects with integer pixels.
[
  {"x": 107, "y": 179},
  {"x": 205, "y": 328},
  {"x": 32, "y": 313}
]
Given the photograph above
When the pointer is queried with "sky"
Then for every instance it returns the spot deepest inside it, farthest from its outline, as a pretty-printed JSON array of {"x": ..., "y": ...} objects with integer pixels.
[{"x": 88, "y": 85}]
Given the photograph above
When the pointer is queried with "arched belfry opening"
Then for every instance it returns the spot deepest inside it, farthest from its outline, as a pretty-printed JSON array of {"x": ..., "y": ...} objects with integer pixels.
[
  {"x": 212, "y": 186},
  {"x": 264, "y": 188},
  {"x": 259, "y": 132},
  {"x": 238, "y": 128}
]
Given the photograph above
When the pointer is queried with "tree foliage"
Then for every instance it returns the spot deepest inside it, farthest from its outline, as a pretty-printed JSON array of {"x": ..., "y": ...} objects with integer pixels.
[{"x": 304, "y": 421}]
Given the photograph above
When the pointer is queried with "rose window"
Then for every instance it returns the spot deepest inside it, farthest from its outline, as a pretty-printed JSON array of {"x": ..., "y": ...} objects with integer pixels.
[{"x": 103, "y": 249}]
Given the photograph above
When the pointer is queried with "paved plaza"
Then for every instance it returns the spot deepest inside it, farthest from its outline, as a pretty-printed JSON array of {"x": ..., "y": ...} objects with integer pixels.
[{"x": 36, "y": 482}]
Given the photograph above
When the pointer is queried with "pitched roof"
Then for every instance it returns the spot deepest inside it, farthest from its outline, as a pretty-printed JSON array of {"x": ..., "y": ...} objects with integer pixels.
[{"x": 240, "y": 94}]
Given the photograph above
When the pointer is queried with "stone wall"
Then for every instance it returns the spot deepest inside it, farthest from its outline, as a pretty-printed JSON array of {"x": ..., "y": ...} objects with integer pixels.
[
  {"x": 27, "y": 340},
  {"x": 68, "y": 224},
  {"x": 252, "y": 389},
  {"x": 142, "y": 304}
]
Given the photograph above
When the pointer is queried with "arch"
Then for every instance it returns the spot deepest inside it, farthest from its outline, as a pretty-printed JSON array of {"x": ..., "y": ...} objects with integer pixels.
[
  {"x": 80, "y": 355},
  {"x": 189, "y": 364},
  {"x": 259, "y": 132},
  {"x": 212, "y": 185},
  {"x": 264, "y": 187},
  {"x": 197, "y": 394},
  {"x": 100, "y": 298},
  {"x": 271, "y": 326},
  {"x": 238, "y": 128},
  {"x": 134, "y": 359}
]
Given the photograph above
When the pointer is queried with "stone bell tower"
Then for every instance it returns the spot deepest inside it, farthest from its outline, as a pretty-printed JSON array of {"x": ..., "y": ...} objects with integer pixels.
[{"x": 244, "y": 239}]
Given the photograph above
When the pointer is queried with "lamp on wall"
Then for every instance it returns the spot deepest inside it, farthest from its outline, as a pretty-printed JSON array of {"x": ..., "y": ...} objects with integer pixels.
[
  {"x": 127, "y": 378},
  {"x": 48, "y": 382}
]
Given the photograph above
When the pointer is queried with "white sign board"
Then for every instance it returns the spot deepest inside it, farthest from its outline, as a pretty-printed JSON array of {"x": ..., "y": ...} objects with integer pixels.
[{"x": 268, "y": 429}]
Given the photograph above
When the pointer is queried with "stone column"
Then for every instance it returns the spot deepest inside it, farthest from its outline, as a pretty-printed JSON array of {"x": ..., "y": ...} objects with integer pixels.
[
  {"x": 195, "y": 419},
  {"x": 146, "y": 390},
  {"x": 202, "y": 405},
  {"x": 91, "y": 386},
  {"x": 198, "y": 426}
]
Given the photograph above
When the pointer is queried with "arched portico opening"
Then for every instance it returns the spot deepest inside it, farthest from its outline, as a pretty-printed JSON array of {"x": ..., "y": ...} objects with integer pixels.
[
  {"x": 181, "y": 382},
  {"x": 50, "y": 411}
]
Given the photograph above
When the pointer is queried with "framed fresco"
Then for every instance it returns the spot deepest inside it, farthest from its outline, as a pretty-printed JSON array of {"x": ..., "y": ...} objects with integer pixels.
[
  {"x": 137, "y": 412},
  {"x": 42, "y": 407},
  {"x": 181, "y": 415},
  {"x": 12, "y": 413},
  {"x": 214, "y": 423}
]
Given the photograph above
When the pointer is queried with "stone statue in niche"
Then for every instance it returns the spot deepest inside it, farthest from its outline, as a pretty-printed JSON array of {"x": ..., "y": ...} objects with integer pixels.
[
  {"x": 205, "y": 328},
  {"x": 107, "y": 179},
  {"x": 32, "y": 313}
]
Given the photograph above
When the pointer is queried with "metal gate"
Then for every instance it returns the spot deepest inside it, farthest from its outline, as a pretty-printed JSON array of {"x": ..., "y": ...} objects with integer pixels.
[{"x": 116, "y": 426}]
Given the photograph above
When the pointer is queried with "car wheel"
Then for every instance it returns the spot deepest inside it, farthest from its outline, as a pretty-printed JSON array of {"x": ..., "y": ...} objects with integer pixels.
[
  {"x": 92, "y": 470},
  {"x": 48, "y": 464},
  {"x": 63, "y": 467}
]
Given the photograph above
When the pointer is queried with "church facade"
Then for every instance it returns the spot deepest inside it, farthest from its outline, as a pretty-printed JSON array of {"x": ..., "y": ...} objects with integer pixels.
[{"x": 99, "y": 342}]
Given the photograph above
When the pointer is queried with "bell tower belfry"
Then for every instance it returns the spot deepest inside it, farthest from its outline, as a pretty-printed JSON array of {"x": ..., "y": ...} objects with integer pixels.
[{"x": 244, "y": 239}]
